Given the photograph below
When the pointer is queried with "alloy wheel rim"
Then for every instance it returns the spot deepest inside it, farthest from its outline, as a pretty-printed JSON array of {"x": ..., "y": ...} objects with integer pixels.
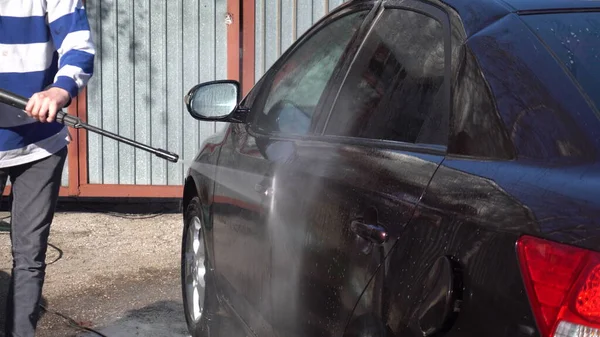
[{"x": 195, "y": 270}]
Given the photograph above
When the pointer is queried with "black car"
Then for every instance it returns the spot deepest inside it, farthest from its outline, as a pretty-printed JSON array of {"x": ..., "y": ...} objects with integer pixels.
[{"x": 406, "y": 168}]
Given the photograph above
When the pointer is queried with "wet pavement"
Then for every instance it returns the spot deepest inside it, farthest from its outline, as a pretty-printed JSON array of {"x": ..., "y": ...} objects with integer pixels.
[{"x": 149, "y": 305}]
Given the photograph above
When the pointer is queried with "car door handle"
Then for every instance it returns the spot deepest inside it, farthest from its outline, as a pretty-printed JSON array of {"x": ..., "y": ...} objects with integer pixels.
[{"x": 373, "y": 233}]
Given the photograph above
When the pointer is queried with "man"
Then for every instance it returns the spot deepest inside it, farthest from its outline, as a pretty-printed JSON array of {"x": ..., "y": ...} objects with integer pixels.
[{"x": 47, "y": 55}]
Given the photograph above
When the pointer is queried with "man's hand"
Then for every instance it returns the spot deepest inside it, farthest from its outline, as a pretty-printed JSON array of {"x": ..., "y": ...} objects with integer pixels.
[{"x": 44, "y": 105}]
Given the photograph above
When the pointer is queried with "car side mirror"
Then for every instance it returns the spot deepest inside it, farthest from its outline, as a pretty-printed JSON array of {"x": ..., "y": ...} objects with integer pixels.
[{"x": 213, "y": 101}]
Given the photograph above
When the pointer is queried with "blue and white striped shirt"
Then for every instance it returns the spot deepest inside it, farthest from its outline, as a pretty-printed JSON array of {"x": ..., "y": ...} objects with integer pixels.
[{"x": 42, "y": 43}]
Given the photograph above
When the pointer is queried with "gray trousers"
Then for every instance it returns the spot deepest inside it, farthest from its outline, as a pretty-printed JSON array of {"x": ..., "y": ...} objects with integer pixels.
[{"x": 35, "y": 189}]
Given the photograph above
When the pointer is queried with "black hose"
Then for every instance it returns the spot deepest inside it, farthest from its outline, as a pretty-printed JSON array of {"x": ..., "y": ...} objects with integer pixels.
[{"x": 71, "y": 321}]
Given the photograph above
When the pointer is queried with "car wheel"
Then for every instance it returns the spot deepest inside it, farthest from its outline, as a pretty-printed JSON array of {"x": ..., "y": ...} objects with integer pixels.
[{"x": 196, "y": 282}]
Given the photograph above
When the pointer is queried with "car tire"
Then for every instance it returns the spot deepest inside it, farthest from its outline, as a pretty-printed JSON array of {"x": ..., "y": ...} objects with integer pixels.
[{"x": 197, "y": 284}]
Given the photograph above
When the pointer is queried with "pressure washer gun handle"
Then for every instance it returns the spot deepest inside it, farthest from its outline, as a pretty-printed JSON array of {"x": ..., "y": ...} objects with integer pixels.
[
  {"x": 13, "y": 100},
  {"x": 20, "y": 103},
  {"x": 68, "y": 120}
]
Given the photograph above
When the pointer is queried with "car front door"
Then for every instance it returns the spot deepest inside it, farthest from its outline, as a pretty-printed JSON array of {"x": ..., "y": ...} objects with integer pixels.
[
  {"x": 287, "y": 101},
  {"x": 345, "y": 196}
]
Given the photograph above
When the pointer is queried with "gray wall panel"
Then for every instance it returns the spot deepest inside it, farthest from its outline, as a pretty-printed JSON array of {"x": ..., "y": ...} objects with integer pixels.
[
  {"x": 220, "y": 49},
  {"x": 220, "y": 46},
  {"x": 140, "y": 57},
  {"x": 287, "y": 24},
  {"x": 143, "y": 69},
  {"x": 125, "y": 87},
  {"x": 259, "y": 38},
  {"x": 334, "y": 3},
  {"x": 65, "y": 174},
  {"x": 272, "y": 38},
  {"x": 207, "y": 38},
  {"x": 320, "y": 8},
  {"x": 94, "y": 96},
  {"x": 158, "y": 87},
  {"x": 304, "y": 16},
  {"x": 279, "y": 23},
  {"x": 174, "y": 86},
  {"x": 191, "y": 67},
  {"x": 109, "y": 78}
]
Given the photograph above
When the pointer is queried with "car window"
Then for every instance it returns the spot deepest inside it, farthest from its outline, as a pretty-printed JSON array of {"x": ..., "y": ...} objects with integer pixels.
[
  {"x": 394, "y": 90},
  {"x": 575, "y": 39},
  {"x": 297, "y": 85}
]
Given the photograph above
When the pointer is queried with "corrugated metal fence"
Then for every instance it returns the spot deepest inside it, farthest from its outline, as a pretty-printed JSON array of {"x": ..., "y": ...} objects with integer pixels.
[{"x": 149, "y": 54}]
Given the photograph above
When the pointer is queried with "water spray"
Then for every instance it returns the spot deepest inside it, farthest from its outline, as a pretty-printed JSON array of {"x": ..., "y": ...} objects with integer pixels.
[{"x": 62, "y": 117}]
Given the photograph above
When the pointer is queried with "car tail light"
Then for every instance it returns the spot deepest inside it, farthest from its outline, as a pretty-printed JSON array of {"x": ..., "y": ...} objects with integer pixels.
[{"x": 563, "y": 286}]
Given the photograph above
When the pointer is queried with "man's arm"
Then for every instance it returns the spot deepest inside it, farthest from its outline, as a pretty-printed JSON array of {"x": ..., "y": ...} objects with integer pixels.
[{"x": 72, "y": 39}]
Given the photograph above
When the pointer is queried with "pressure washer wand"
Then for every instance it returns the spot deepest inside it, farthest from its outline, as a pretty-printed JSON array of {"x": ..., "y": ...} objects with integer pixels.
[{"x": 62, "y": 117}]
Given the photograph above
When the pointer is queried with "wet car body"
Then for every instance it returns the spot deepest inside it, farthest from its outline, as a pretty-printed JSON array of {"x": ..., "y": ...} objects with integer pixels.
[{"x": 334, "y": 226}]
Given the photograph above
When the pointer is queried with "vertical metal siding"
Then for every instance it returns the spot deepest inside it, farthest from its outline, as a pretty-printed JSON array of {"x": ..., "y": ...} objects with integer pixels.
[
  {"x": 149, "y": 54},
  {"x": 65, "y": 174},
  {"x": 278, "y": 23}
]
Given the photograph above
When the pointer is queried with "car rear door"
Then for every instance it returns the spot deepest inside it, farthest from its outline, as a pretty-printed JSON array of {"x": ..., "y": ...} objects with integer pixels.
[
  {"x": 287, "y": 101},
  {"x": 345, "y": 196}
]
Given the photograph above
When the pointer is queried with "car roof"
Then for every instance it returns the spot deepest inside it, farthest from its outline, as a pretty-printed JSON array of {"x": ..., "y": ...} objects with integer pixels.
[
  {"x": 478, "y": 14},
  {"x": 542, "y": 5},
  {"x": 528, "y": 5}
]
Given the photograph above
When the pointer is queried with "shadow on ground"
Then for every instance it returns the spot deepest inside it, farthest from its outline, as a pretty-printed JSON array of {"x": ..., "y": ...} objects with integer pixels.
[
  {"x": 134, "y": 206},
  {"x": 163, "y": 318}
]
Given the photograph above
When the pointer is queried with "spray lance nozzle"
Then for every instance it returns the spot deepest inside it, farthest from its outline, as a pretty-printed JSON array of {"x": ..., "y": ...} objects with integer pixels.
[{"x": 62, "y": 117}]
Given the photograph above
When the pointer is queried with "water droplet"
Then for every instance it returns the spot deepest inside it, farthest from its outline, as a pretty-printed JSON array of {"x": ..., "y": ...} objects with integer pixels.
[
  {"x": 571, "y": 61},
  {"x": 568, "y": 41}
]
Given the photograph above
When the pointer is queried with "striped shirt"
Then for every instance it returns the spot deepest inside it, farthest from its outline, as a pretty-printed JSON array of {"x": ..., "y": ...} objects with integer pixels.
[{"x": 42, "y": 43}]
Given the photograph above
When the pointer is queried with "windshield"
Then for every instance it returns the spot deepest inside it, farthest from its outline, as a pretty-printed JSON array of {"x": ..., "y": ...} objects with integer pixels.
[{"x": 575, "y": 39}]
